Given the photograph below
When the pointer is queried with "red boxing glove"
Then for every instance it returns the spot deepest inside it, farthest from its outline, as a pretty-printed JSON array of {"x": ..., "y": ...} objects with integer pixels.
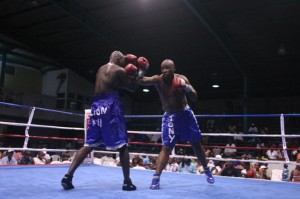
[
  {"x": 143, "y": 66},
  {"x": 178, "y": 82},
  {"x": 131, "y": 70},
  {"x": 130, "y": 58}
]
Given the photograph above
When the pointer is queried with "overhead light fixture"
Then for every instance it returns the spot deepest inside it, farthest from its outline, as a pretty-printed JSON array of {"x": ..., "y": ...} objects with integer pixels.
[
  {"x": 215, "y": 82},
  {"x": 146, "y": 90}
]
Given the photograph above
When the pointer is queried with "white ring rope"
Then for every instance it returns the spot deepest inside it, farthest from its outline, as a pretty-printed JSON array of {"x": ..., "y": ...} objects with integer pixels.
[
  {"x": 221, "y": 134},
  {"x": 208, "y": 158},
  {"x": 153, "y": 132},
  {"x": 41, "y": 126}
]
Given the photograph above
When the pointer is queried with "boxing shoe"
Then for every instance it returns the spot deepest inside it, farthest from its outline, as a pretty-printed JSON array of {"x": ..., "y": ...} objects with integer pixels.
[
  {"x": 66, "y": 182},
  {"x": 155, "y": 182},
  {"x": 210, "y": 179},
  {"x": 128, "y": 186}
]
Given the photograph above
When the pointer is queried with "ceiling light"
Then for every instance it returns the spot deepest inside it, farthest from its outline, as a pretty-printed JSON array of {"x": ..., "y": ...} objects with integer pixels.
[
  {"x": 146, "y": 90},
  {"x": 215, "y": 81}
]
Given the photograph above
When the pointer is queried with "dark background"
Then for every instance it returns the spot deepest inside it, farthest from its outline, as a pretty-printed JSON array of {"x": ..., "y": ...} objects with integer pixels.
[{"x": 250, "y": 47}]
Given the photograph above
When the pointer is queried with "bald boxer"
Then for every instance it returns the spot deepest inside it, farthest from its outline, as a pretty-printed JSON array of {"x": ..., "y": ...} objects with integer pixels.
[
  {"x": 179, "y": 122},
  {"x": 107, "y": 124}
]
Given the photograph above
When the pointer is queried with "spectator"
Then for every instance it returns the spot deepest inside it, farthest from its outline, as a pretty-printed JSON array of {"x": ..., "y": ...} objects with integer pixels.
[
  {"x": 285, "y": 173},
  {"x": 295, "y": 173},
  {"x": 146, "y": 161},
  {"x": 272, "y": 153},
  {"x": 40, "y": 158},
  {"x": 47, "y": 156},
  {"x": 172, "y": 165},
  {"x": 26, "y": 158},
  {"x": 262, "y": 173},
  {"x": 253, "y": 129},
  {"x": 187, "y": 166},
  {"x": 230, "y": 152},
  {"x": 140, "y": 165},
  {"x": 108, "y": 160},
  {"x": 9, "y": 159},
  {"x": 135, "y": 160},
  {"x": 229, "y": 170}
]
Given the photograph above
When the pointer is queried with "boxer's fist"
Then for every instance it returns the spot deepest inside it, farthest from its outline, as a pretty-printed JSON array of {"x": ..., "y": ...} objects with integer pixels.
[
  {"x": 130, "y": 58},
  {"x": 178, "y": 82},
  {"x": 143, "y": 66},
  {"x": 131, "y": 70}
]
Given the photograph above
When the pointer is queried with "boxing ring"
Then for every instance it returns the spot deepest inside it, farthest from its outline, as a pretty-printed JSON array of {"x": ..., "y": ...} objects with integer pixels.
[
  {"x": 37, "y": 182},
  {"x": 97, "y": 181}
]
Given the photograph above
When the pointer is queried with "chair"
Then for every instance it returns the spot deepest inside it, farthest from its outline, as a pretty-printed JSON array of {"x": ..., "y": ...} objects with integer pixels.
[{"x": 56, "y": 158}]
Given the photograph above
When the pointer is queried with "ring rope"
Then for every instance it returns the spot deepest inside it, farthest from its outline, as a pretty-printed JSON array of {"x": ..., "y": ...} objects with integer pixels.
[
  {"x": 41, "y": 109},
  {"x": 146, "y": 143},
  {"x": 41, "y": 126},
  {"x": 283, "y": 136},
  {"x": 221, "y": 134},
  {"x": 155, "y": 155},
  {"x": 40, "y": 137},
  {"x": 209, "y": 158}
]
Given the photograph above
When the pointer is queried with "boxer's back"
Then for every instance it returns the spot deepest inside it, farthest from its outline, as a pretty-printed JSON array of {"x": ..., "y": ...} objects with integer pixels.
[{"x": 107, "y": 79}]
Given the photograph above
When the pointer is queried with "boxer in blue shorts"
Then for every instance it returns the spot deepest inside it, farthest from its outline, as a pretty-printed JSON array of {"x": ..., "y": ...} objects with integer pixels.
[
  {"x": 180, "y": 126},
  {"x": 179, "y": 122},
  {"x": 107, "y": 117},
  {"x": 107, "y": 123}
]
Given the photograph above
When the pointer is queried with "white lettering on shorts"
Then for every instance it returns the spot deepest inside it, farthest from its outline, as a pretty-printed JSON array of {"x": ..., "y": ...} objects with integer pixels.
[
  {"x": 97, "y": 122},
  {"x": 99, "y": 111},
  {"x": 171, "y": 128}
]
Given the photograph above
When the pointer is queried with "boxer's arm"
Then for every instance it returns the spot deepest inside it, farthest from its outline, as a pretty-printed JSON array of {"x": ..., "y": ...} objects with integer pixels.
[
  {"x": 188, "y": 88},
  {"x": 126, "y": 82},
  {"x": 148, "y": 81}
]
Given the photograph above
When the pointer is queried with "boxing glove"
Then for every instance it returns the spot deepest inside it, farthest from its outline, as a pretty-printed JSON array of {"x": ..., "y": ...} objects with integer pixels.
[
  {"x": 178, "y": 82},
  {"x": 130, "y": 58},
  {"x": 143, "y": 66},
  {"x": 131, "y": 70}
]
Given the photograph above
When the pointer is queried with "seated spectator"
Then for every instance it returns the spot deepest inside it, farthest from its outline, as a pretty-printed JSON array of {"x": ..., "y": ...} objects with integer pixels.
[
  {"x": 232, "y": 128},
  {"x": 230, "y": 152},
  {"x": 246, "y": 156},
  {"x": 146, "y": 161},
  {"x": 208, "y": 153},
  {"x": 187, "y": 166},
  {"x": 272, "y": 153},
  {"x": 295, "y": 173},
  {"x": 229, "y": 170},
  {"x": 18, "y": 155},
  {"x": 47, "y": 156},
  {"x": 135, "y": 160},
  {"x": 217, "y": 151},
  {"x": 262, "y": 173},
  {"x": 26, "y": 158},
  {"x": 172, "y": 165},
  {"x": 40, "y": 158},
  {"x": 108, "y": 160},
  {"x": 140, "y": 165},
  {"x": 65, "y": 156},
  {"x": 212, "y": 167},
  {"x": 154, "y": 138},
  {"x": 199, "y": 168},
  {"x": 253, "y": 129},
  {"x": 8, "y": 159}
]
